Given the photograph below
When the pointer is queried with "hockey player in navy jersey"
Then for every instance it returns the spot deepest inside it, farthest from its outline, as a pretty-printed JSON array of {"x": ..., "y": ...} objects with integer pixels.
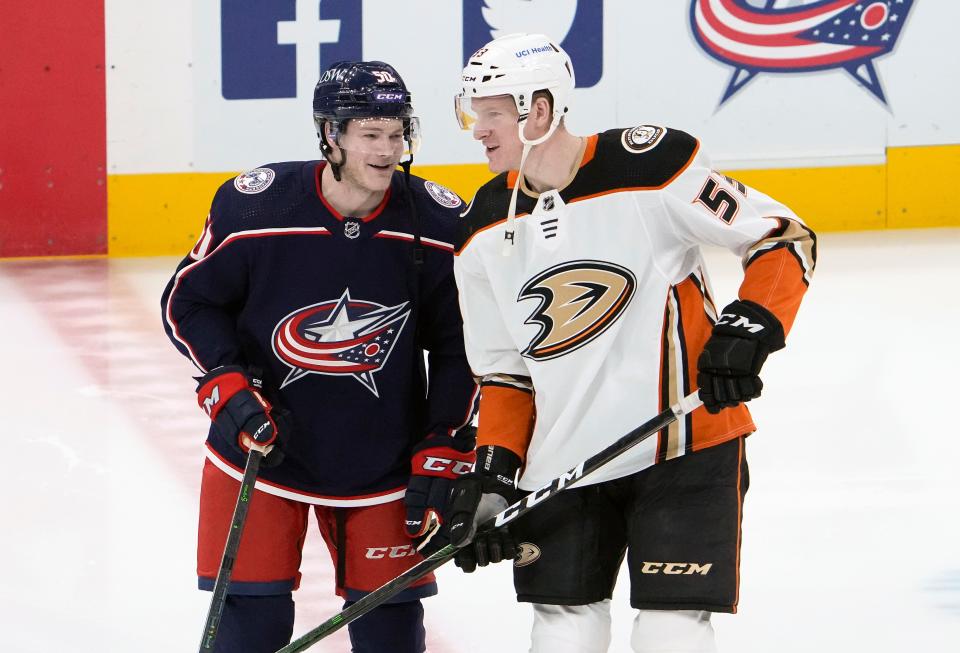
[
  {"x": 587, "y": 310},
  {"x": 307, "y": 304}
]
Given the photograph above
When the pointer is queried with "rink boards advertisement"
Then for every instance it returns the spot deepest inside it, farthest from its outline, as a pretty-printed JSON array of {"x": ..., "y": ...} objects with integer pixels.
[{"x": 843, "y": 109}]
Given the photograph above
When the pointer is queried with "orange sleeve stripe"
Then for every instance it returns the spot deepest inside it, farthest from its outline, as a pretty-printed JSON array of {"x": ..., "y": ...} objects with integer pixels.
[
  {"x": 775, "y": 281},
  {"x": 696, "y": 326},
  {"x": 506, "y": 418},
  {"x": 706, "y": 429}
]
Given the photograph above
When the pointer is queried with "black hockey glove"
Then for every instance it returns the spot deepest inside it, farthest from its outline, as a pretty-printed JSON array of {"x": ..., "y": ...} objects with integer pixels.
[
  {"x": 729, "y": 366},
  {"x": 435, "y": 464},
  {"x": 239, "y": 413},
  {"x": 476, "y": 498}
]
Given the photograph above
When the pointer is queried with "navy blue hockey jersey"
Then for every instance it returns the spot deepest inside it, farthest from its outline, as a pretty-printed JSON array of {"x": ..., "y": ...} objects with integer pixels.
[{"x": 337, "y": 316}]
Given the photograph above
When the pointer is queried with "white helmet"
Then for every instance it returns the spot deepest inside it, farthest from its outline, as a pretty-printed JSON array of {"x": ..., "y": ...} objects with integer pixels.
[{"x": 517, "y": 65}]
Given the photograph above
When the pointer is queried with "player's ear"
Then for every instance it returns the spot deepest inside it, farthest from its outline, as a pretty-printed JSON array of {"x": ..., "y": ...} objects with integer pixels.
[{"x": 541, "y": 111}]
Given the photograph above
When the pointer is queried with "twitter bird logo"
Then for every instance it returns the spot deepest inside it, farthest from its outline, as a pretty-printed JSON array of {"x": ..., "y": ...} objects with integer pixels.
[{"x": 576, "y": 24}]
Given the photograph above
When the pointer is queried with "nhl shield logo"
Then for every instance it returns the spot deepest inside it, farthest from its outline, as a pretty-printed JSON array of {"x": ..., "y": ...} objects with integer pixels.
[
  {"x": 351, "y": 229},
  {"x": 339, "y": 337}
]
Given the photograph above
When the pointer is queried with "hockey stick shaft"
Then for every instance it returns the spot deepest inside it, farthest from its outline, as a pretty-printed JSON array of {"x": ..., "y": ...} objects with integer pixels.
[
  {"x": 593, "y": 463},
  {"x": 222, "y": 584}
]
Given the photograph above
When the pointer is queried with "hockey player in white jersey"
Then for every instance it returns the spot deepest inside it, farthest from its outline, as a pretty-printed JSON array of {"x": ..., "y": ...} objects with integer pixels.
[{"x": 587, "y": 310}]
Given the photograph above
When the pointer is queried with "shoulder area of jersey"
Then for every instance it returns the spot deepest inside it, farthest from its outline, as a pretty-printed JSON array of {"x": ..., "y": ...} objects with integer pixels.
[
  {"x": 487, "y": 206},
  {"x": 439, "y": 194},
  {"x": 648, "y": 140},
  {"x": 640, "y": 158},
  {"x": 262, "y": 178}
]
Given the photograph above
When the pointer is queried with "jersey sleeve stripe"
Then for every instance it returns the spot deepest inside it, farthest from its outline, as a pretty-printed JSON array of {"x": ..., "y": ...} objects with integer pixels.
[
  {"x": 778, "y": 269},
  {"x": 688, "y": 324},
  {"x": 790, "y": 233},
  {"x": 524, "y": 383},
  {"x": 399, "y": 235},
  {"x": 234, "y": 237}
]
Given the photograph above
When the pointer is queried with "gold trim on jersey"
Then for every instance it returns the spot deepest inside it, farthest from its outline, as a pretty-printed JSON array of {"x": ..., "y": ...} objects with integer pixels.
[
  {"x": 794, "y": 235},
  {"x": 673, "y": 438}
]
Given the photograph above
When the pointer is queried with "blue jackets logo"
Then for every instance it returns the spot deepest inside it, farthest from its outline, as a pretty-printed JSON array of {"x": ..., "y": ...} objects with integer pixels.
[
  {"x": 269, "y": 49},
  {"x": 576, "y": 24},
  {"x": 339, "y": 337},
  {"x": 764, "y": 36}
]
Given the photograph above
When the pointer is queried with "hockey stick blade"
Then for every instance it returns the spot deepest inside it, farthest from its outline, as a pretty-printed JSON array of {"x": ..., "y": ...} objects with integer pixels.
[
  {"x": 393, "y": 587},
  {"x": 222, "y": 584}
]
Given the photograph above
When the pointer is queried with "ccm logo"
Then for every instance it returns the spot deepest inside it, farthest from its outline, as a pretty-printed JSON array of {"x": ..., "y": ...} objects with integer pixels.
[
  {"x": 435, "y": 464},
  {"x": 674, "y": 568},
  {"x": 378, "y": 552},
  {"x": 740, "y": 322}
]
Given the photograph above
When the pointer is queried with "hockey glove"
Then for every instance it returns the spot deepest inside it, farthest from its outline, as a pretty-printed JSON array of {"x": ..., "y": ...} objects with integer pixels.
[
  {"x": 239, "y": 413},
  {"x": 729, "y": 366},
  {"x": 435, "y": 464},
  {"x": 476, "y": 498}
]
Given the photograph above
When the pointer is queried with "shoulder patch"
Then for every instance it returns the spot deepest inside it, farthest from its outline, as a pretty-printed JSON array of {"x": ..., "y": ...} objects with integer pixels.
[
  {"x": 254, "y": 181},
  {"x": 442, "y": 195},
  {"x": 642, "y": 139}
]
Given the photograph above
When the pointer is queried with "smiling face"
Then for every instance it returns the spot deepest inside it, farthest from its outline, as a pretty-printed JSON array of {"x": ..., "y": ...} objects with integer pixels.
[
  {"x": 496, "y": 127},
  {"x": 374, "y": 148}
]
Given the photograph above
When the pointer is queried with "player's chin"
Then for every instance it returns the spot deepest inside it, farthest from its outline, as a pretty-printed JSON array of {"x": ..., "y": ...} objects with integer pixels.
[{"x": 496, "y": 160}]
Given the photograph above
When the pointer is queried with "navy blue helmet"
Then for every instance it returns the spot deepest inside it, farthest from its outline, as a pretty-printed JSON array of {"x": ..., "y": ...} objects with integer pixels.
[{"x": 361, "y": 89}]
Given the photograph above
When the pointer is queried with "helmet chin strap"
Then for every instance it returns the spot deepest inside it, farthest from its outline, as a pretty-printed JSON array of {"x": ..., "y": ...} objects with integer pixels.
[{"x": 510, "y": 235}]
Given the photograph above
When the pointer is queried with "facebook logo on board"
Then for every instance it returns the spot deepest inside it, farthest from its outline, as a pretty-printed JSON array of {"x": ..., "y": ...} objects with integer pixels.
[
  {"x": 277, "y": 49},
  {"x": 576, "y": 24}
]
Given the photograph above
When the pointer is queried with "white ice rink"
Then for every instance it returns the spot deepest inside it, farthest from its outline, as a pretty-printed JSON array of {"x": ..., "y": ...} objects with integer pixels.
[{"x": 851, "y": 531}]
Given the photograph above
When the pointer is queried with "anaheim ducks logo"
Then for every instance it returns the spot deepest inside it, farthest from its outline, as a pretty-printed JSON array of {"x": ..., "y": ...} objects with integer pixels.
[
  {"x": 579, "y": 300},
  {"x": 528, "y": 553}
]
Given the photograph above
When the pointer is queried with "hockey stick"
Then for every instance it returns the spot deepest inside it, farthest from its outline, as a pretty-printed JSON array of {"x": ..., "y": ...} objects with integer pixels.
[
  {"x": 219, "y": 598},
  {"x": 512, "y": 512}
]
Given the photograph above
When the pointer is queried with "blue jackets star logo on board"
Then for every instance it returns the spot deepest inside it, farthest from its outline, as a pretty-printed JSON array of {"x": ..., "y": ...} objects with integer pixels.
[{"x": 799, "y": 38}]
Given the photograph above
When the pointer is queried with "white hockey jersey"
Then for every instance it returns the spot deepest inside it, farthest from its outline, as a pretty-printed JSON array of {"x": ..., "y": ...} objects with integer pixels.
[{"x": 595, "y": 320}]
